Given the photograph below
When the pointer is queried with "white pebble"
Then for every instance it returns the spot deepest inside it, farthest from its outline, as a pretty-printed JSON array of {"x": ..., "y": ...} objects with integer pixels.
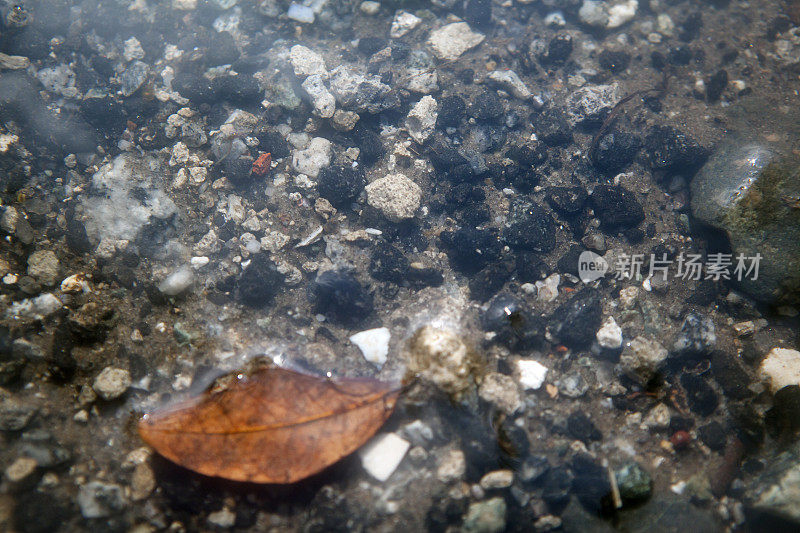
[
  {"x": 382, "y": 455},
  {"x": 300, "y": 13},
  {"x": 781, "y": 367},
  {"x": 610, "y": 334},
  {"x": 177, "y": 282},
  {"x": 374, "y": 344},
  {"x": 531, "y": 373}
]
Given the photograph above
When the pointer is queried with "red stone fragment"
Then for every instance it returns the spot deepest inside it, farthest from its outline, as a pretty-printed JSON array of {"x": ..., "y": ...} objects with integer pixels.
[
  {"x": 262, "y": 165},
  {"x": 680, "y": 439}
]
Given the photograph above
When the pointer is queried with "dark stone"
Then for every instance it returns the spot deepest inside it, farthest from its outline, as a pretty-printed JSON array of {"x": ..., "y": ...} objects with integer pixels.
[
  {"x": 558, "y": 50},
  {"x": 581, "y": 427},
  {"x": 273, "y": 143},
  {"x": 400, "y": 51},
  {"x": 238, "y": 170},
  {"x": 533, "y": 470},
  {"x": 451, "y": 110},
  {"x": 690, "y": 28},
  {"x": 445, "y": 513},
  {"x": 76, "y": 238},
  {"x": 731, "y": 375},
  {"x": 590, "y": 484},
  {"x": 487, "y": 106},
  {"x": 713, "y": 435},
  {"x": 674, "y": 151},
  {"x": 527, "y": 156},
  {"x": 716, "y": 84},
  {"x": 60, "y": 362},
  {"x": 30, "y": 42},
  {"x": 567, "y": 201},
  {"x": 370, "y": 45},
  {"x": 615, "y": 151},
  {"x": 370, "y": 145},
  {"x": 259, "y": 282},
  {"x": 778, "y": 25},
  {"x": 783, "y": 419},
  {"x": 40, "y": 512},
  {"x": 530, "y": 267},
  {"x": 221, "y": 49},
  {"x": 389, "y": 264},
  {"x": 341, "y": 184},
  {"x": 513, "y": 440},
  {"x": 513, "y": 322},
  {"x": 524, "y": 179},
  {"x": 699, "y": 395},
  {"x": 242, "y": 90},
  {"x": 568, "y": 263},
  {"x": 425, "y": 277},
  {"x": 552, "y": 128},
  {"x": 444, "y": 156},
  {"x": 485, "y": 283},
  {"x": 614, "y": 61},
  {"x": 90, "y": 323},
  {"x": 104, "y": 113},
  {"x": 10, "y": 366},
  {"x": 478, "y": 13},
  {"x": 576, "y": 322},
  {"x": 748, "y": 424},
  {"x": 470, "y": 249},
  {"x": 697, "y": 335},
  {"x": 530, "y": 227},
  {"x": 556, "y": 488},
  {"x": 339, "y": 295},
  {"x": 679, "y": 56},
  {"x": 617, "y": 208},
  {"x": 194, "y": 87}
]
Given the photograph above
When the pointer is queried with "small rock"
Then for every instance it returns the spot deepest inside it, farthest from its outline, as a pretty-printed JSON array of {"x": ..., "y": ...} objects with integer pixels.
[
  {"x": 498, "y": 479},
  {"x": 97, "y": 499},
  {"x": 530, "y": 227},
  {"x": 590, "y": 104},
  {"x": 177, "y": 282},
  {"x": 382, "y": 455},
  {"x": 403, "y": 23},
  {"x": 323, "y": 101},
  {"x": 421, "y": 120},
  {"x": 368, "y": 7},
  {"x": 14, "y": 414},
  {"x": 616, "y": 207},
  {"x": 133, "y": 77},
  {"x": 300, "y": 13},
  {"x": 43, "y": 266},
  {"x": 224, "y": 518},
  {"x": 697, "y": 335},
  {"x": 339, "y": 295},
  {"x": 306, "y": 62},
  {"x": 510, "y": 81},
  {"x": 143, "y": 482},
  {"x": 394, "y": 195},
  {"x": 658, "y": 417},
  {"x": 486, "y": 517},
  {"x": 781, "y": 368},
  {"x": 634, "y": 483},
  {"x": 453, "y": 467},
  {"x": 581, "y": 427},
  {"x": 500, "y": 390},
  {"x": 610, "y": 334},
  {"x": 111, "y": 383},
  {"x": 13, "y": 62},
  {"x": 531, "y": 373},
  {"x": 576, "y": 322},
  {"x": 547, "y": 290},
  {"x": 607, "y": 14},
  {"x": 313, "y": 158},
  {"x": 374, "y": 344},
  {"x": 452, "y": 40},
  {"x": 642, "y": 358},
  {"x": 442, "y": 357},
  {"x": 21, "y": 470}
]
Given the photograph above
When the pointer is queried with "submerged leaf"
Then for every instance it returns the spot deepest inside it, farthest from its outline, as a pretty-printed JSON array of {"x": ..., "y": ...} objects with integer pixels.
[{"x": 273, "y": 426}]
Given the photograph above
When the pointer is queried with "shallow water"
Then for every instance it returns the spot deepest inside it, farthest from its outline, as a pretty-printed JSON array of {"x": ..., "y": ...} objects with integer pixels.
[{"x": 518, "y": 192}]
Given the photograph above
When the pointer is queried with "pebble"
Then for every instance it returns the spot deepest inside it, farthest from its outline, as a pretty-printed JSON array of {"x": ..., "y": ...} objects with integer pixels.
[
  {"x": 442, "y": 357},
  {"x": 547, "y": 289},
  {"x": 697, "y": 335},
  {"x": 306, "y": 62},
  {"x": 43, "y": 266},
  {"x": 382, "y": 455},
  {"x": 224, "y": 518},
  {"x": 338, "y": 295},
  {"x": 610, "y": 334},
  {"x": 641, "y": 359},
  {"x": 403, "y": 23},
  {"x": 177, "y": 282},
  {"x": 369, "y": 7},
  {"x": 497, "y": 479},
  {"x": 634, "y": 483},
  {"x": 323, "y": 101},
  {"x": 421, "y": 120},
  {"x": 780, "y": 368},
  {"x": 607, "y": 14},
  {"x": 36, "y": 308},
  {"x": 590, "y": 104},
  {"x": 111, "y": 383},
  {"x": 576, "y": 321},
  {"x": 374, "y": 344},
  {"x": 21, "y": 470},
  {"x": 394, "y": 195},
  {"x": 452, "y": 467},
  {"x": 132, "y": 49},
  {"x": 313, "y": 158},
  {"x": 531, "y": 373},
  {"x": 300, "y": 13},
  {"x": 452, "y": 40},
  {"x": 97, "y": 499},
  {"x": 486, "y": 517},
  {"x": 510, "y": 81},
  {"x": 13, "y": 62},
  {"x": 501, "y": 391},
  {"x": 143, "y": 482},
  {"x": 658, "y": 417}
]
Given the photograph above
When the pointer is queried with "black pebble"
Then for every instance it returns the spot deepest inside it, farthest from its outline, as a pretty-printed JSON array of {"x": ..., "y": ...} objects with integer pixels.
[
  {"x": 558, "y": 50},
  {"x": 259, "y": 282},
  {"x": 487, "y": 106},
  {"x": 591, "y": 484},
  {"x": 76, "y": 238},
  {"x": 478, "y": 13},
  {"x": 615, "y": 151},
  {"x": 679, "y": 56},
  {"x": 699, "y": 395},
  {"x": 530, "y": 267},
  {"x": 370, "y": 145},
  {"x": 451, "y": 110},
  {"x": 552, "y": 128},
  {"x": 370, "y": 45},
  {"x": 730, "y": 375},
  {"x": 194, "y": 87},
  {"x": 512, "y": 321},
  {"x": 567, "y": 201},
  {"x": 713, "y": 435},
  {"x": 576, "y": 322},
  {"x": 783, "y": 419},
  {"x": 339, "y": 295},
  {"x": 221, "y": 49},
  {"x": 581, "y": 427},
  {"x": 470, "y": 249},
  {"x": 389, "y": 264},
  {"x": 485, "y": 284},
  {"x": 238, "y": 170},
  {"x": 616, "y": 207},
  {"x": 530, "y": 227},
  {"x": 614, "y": 61},
  {"x": 716, "y": 84},
  {"x": 556, "y": 488},
  {"x": 568, "y": 263},
  {"x": 341, "y": 185},
  {"x": 240, "y": 90},
  {"x": 274, "y": 143}
]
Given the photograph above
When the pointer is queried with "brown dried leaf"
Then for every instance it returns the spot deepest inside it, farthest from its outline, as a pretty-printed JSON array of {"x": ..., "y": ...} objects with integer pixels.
[{"x": 273, "y": 426}]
